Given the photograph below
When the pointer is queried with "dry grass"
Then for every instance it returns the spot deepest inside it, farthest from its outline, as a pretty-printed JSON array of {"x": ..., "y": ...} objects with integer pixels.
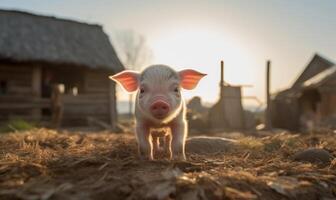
[{"x": 44, "y": 164}]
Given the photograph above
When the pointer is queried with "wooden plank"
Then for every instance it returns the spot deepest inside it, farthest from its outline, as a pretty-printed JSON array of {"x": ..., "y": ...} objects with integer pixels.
[
  {"x": 76, "y": 120},
  {"x": 36, "y": 81},
  {"x": 21, "y": 98},
  {"x": 15, "y": 68},
  {"x": 80, "y": 99},
  {"x": 96, "y": 82},
  {"x": 27, "y": 117},
  {"x": 19, "y": 103},
  {"x": 113, "y": 106},
  {"x": 19, "y": 106},
  {"x": 20, "y": 83},
  {"x": 86, "y": 102},
  {"x": 92, "y": 96},
  {"x": 16, "y": 111},
  {"x": 86, "y": 110},
  {"x": 16, "y": 76},
  {"x": 97, "y": 90},
  {"x": 19, "y": 90},
  {"x": 75, "y": 116},
  {"x": 232, "y": 107},
  {"x": 36, "y": 89},
  {"x": 268, "y": 114}
]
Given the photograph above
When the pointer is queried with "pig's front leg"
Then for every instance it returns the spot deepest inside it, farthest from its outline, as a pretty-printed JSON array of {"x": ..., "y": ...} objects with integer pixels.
[
  {"x": 167, "y": 146},
  {"x": 144, "y": 142},
  {"x": 156, "y": 146},
  {"x": 179, "y": 134}
]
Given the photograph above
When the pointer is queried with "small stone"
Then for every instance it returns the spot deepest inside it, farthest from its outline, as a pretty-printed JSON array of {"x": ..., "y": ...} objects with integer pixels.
[
  {"x": 313, "y": 155},
  {"x": 208, "y": 145}
]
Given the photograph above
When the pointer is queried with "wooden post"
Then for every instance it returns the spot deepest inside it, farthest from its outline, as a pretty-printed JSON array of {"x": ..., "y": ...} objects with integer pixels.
[
  {"x": 222, "y": 102},
  {"x": 56, "y": 106},
  {"x": 221, "y": 83},
  {"x": 268, "y": 114},
  {"x": 130, "y": 104},
  {"x": 113, "y": 105},
  {"x": 36, "y": 90}
]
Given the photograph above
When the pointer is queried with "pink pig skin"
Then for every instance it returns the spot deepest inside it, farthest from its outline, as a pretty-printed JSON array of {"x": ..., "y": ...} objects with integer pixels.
[{"x": 159, "y": 108}]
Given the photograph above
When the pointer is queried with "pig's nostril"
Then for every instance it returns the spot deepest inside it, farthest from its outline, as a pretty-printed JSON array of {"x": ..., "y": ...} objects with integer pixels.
[{"x": 159, "y": 108}]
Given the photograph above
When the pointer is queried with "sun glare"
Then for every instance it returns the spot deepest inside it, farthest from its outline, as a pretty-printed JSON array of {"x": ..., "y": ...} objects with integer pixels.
[{"x": 202, "y": 50}]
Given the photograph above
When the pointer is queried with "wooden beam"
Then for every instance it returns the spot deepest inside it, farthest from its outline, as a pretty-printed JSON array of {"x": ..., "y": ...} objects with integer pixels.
[
  {"x": 221, "y": 83},
  {"x": 36, "y": 89},
  {"x": 33, "y": 104},
  {"x": 268, "y": 115},
  {"x": 113, "y": 105},
  {"x": 222, "y": 73},
  {"x": 57, "y": 107}
]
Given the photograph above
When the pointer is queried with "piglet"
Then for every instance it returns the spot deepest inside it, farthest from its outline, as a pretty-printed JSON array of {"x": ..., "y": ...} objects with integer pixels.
[{"x": 159, "y": 108}]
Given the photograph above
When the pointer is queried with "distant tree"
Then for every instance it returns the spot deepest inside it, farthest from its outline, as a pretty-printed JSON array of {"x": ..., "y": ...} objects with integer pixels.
[{"x": 133, "y": 51}]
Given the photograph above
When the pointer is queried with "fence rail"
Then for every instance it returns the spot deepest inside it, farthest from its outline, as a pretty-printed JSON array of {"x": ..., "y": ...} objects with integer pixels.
[{"x": 19, "y": 103}]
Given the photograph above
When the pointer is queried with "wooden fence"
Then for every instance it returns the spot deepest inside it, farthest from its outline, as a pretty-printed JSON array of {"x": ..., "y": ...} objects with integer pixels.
[
  {"x": 21, "y": 107},
  {"x": 75, "y": 109}
]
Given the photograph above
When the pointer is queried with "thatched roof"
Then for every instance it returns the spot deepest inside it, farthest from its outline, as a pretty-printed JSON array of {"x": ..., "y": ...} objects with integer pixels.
[
  {"x": 29, "y": 37},
  {"x": 318, "y": 72},
  {"x": 321, "y": 78},
  {"x": 315, "y": 66}
]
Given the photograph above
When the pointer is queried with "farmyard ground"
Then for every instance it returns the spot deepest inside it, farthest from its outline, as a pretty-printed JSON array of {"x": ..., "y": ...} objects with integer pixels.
[{"x": 44, "y": 164}]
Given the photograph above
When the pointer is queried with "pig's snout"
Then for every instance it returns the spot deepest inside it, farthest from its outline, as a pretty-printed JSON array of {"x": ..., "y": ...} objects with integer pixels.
[{"x": 159, "y": 109}]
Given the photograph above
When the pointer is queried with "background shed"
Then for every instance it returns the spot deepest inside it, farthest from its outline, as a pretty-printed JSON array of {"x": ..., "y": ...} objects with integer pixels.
[
  {"x": 228, "y": 112},
  {"x": 311, "y": 101},
  {"x": 39, "y": 52}
]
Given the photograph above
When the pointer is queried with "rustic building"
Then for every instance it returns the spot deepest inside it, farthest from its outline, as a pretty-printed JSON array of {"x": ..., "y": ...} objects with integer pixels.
[
  {"x": 40, "y": 52},
  {"x": 311, "y": 101},
  {"x": 228, "y": 112}
]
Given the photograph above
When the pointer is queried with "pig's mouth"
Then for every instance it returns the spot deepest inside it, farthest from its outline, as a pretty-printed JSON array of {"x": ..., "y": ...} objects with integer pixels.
[{"x": 159, "y": 115}]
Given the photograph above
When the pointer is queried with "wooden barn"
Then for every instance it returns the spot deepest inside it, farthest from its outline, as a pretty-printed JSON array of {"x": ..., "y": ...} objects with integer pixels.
[
  {"x": 311, "y": 101},
  {"x": 41, "y": 53}
]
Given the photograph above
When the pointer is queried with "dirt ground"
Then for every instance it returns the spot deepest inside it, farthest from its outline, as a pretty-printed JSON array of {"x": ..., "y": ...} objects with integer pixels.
[{"x": 44, "y": 164}]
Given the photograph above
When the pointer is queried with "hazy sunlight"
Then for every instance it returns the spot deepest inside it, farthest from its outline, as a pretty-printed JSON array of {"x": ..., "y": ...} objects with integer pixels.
[{"x": 203, "y": 49}]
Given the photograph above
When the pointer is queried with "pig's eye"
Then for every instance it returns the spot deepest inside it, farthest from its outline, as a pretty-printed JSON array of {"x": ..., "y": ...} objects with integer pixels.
[
  {"x": 176, "y": 89},
  {"x": 142, "y": 91}
]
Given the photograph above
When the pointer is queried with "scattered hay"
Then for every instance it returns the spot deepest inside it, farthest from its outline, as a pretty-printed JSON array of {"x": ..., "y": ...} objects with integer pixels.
[{"x": 44, "y": 164}]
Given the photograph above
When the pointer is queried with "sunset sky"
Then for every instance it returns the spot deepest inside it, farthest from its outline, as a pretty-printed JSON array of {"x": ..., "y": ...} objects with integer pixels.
[{"x": 198, "y": 34}]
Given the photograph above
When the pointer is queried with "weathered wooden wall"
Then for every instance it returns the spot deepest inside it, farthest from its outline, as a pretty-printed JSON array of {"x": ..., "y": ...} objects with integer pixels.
[
  {"x": 228, "y": 112},
  {"x": 78, "y": 108},
  {"x": 288, "y": 111},
  {"x": 96, "y": 95},
  {"x": 285, "y": 113},
  {"x": 328, "y": 98},
  {"x": 18, "y": 78},
  {"x": 328, "y": 104},
  {"x": 22, "y": 97},
  {"x": 233, "y": 107},
  {"x": 21, "y": 107},
  {"x": 94, "y": 100}
]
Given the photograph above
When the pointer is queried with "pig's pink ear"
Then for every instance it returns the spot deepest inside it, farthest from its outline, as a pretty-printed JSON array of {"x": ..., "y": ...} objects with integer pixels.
[
  {"x": 189, "y": 78},
  {"x": 128, "y": 79}
]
